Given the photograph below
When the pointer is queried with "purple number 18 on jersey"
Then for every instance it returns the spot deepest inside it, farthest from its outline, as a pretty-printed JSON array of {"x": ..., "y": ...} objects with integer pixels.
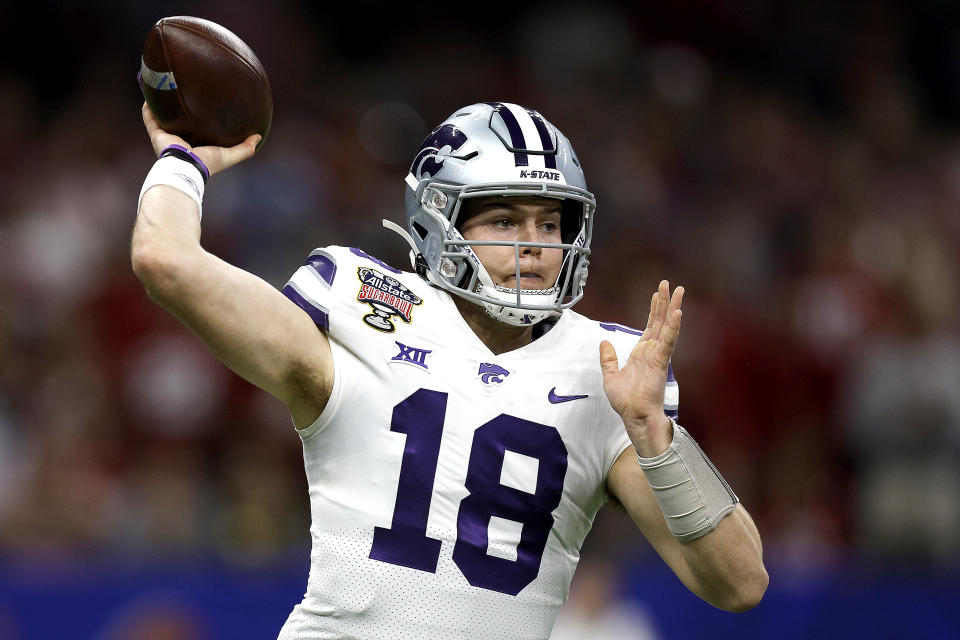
[{"x": 421, "y": 416}]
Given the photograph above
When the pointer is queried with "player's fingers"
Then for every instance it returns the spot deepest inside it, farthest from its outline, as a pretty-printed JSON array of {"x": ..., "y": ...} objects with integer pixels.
[
  {"x": 648, "y": 330},
  {"x": 670, "y": 335},
  {"x": 608, "y": 358},
  {"x": 148, "y": 120},
  {"x": 670, "y": 332},
  {"x": 219, "y": 158},
  {"x": 151, "y": 124},
  {"x": 242, "y": 151},
  {"x": 251, "y": 142},
  {"x": 676, "y": 301},
  {"x": 663, "y": 296},
  {"x": 159, "y": 138}
]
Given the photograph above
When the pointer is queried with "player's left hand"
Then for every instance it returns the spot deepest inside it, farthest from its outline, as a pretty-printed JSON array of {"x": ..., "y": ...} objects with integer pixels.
[{"x": 636, "y": 391}]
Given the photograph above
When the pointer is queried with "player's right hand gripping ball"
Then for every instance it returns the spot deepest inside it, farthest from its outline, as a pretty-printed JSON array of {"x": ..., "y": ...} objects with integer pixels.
[{"x": 204, "y": 84}]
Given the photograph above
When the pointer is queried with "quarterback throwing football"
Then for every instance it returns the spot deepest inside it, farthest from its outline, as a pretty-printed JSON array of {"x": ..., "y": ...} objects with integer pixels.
[{"x": 461, "y": 425}]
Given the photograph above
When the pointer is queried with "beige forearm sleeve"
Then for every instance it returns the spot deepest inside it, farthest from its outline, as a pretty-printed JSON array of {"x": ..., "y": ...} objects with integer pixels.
[{"x": 692, "y": 494}]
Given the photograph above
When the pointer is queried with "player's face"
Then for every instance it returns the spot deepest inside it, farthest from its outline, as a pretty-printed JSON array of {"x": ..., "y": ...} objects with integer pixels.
[{"x": 515, "y": 219}]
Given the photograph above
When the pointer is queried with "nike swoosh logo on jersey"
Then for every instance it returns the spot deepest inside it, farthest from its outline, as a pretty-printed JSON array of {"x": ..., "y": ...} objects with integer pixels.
[{"x": 555, "y": 399}]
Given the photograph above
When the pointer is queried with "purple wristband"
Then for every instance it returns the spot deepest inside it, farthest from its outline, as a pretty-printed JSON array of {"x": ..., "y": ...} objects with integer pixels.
[{"x": 178, "y": 151}]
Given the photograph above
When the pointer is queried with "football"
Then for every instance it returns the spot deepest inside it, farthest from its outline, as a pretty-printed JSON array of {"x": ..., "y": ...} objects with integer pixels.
[{"x": 203, "y": 83}]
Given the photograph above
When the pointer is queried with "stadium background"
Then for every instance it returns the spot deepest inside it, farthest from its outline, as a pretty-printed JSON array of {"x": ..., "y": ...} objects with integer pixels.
[{"x": 797, "y": 168}]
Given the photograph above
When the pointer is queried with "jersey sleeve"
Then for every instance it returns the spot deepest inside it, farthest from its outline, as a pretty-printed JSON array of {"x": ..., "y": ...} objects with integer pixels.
[
  {"x": 334, "y": 284},
  {"x": 311, "y": 286},
  {"x": 671, "y": 396},
  {"x": 326, "y": 288}
]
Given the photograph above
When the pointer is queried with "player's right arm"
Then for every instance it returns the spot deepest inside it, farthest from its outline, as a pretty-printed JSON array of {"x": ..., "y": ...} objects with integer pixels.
[{"x": 247, "y": 324}]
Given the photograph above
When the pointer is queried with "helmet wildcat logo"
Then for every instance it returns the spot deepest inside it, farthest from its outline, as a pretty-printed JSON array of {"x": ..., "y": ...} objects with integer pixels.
[
  {"x": 387, "y": 298},
  {"x": 435, "y": 150}
]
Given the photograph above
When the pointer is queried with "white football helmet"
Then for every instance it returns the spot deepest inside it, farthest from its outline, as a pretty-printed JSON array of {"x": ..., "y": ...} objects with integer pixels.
[{"x": 496, "y": 149}]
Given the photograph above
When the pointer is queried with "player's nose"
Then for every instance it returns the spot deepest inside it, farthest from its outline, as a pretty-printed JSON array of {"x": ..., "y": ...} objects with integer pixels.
[{"x": 528, "y": 232}]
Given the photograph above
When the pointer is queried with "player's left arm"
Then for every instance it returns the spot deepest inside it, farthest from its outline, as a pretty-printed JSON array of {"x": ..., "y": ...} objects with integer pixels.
[
  {"x": 724, "y": 567},
  {"x": 712, "y": 543}
]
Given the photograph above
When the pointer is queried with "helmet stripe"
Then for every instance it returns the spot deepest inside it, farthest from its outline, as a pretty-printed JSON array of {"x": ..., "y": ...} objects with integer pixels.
[
  {"x": 517, "y": 141},
  {"x": 550, "y": 157}
]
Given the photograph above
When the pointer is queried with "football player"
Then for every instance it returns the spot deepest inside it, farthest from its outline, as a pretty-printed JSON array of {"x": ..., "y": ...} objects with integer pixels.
[{"x": 461, "y": 425}]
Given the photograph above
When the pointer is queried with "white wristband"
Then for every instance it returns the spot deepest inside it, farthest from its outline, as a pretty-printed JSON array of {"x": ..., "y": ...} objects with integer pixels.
[
  {"x": 176, "y": 173},
  {"x": 692, "y": 494}
]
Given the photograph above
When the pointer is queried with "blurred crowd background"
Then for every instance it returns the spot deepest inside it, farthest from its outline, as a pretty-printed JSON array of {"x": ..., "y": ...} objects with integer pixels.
[{"x": 796, "y": 166}]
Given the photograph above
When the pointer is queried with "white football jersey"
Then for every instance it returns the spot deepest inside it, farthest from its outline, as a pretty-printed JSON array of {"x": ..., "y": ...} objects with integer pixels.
[{"x": 451, "y": 488}]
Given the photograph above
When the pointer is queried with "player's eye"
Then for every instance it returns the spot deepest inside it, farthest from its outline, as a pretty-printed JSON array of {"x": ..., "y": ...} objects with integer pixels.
[{"x": 550, "y": 226}]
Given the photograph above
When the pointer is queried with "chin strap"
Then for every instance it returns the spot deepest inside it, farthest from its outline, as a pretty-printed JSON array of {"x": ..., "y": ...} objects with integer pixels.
[
  {"x": 403, "y": 233},
  {"x": 416, "y": 258}
]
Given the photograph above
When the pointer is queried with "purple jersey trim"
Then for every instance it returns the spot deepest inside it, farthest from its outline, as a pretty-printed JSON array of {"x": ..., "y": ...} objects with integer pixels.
[
  {"x": 362, "y": 254},
  {"x": 325, "y": 267},
  {"x": 319, "y": 316}
]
